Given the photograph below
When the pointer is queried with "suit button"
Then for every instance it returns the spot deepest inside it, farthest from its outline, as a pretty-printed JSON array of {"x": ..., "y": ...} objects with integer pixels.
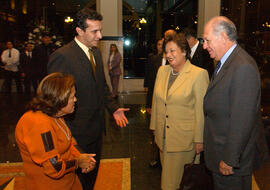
[
  {"x": 167, "y": 116},
  {"x": 168, "y": 126},
  {"x": 165, "y": 104}
]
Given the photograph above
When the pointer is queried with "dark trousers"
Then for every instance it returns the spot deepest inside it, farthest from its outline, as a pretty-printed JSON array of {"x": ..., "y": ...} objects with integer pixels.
[
  {"x": 88, "y": 180},
  {"x": 28, "y": 81},
  {"x": 115, "y": 83},
  {"x": 232, "y": 182},
  {"x": 9, "y": 75}
]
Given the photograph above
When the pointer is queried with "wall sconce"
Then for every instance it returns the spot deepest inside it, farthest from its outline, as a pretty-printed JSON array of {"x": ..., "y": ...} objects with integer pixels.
[
  {"x": 143, "y": 21},
  {"x": 68, "y": 19}
]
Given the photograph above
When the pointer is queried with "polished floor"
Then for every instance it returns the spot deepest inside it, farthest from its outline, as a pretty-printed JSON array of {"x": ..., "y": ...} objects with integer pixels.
[{"x": 133, "y": 141}]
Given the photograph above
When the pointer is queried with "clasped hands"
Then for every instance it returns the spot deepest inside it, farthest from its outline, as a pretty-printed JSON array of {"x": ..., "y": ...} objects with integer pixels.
[{"x": 86, "y": 162}]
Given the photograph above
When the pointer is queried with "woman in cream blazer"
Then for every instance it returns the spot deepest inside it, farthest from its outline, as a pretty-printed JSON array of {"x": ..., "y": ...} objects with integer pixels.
[{"x": 177, "y": 111}]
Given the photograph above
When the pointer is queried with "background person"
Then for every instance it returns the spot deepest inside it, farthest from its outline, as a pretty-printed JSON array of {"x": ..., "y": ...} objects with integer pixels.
[
  {"x": 28, "y": 71},
  {"x": 177, "y": 111},
  {"x": 114, "y": 68},
  {"x": 10, "y": 59},
  {"x": 45, "y": 142},
  {"x": 40, "y": 56},
  {"x": 154, "y": 62},
  {"x": 82, "y": 59},
  {"x": 198, "y": 56}
]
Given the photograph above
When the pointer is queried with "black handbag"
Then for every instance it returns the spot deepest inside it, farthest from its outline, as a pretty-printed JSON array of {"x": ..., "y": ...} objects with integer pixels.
[{"x": 196, "y": 176}]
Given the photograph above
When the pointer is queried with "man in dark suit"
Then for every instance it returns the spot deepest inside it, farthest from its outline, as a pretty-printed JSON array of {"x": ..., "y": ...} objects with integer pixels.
[
  {"x": 27, "y": 67},
  {"x": 82, "y": 59},
  {"x": 231, "y": 108},
  {"x": 40, "y": 56},
  {"x": 199, "y": 56},
  {"x": 154, "y": 62}
]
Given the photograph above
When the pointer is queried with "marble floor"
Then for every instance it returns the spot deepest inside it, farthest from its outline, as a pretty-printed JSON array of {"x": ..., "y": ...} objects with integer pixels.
[{"x": 133, "y": 141}]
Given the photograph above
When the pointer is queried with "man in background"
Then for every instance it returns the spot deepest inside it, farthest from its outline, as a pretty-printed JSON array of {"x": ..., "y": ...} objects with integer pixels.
[
  {"x": 28, "y": 69},
  {"x": 154, "y": 62},
  {"x": 199, "y": 56},
  {"x": 40, "y": 56},
  {"x": 10, "y": 59}
]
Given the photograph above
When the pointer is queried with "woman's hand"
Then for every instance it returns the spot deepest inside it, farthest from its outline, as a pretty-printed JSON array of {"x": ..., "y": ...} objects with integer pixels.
[
  {"x": 86, "y": 162},
  {"x": 198, "y": 148}
]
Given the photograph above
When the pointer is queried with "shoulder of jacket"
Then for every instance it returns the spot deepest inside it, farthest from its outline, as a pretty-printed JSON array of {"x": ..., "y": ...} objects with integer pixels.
[
  {"x": 37, "y": 116},
  {"x": 195, "y": 70}
]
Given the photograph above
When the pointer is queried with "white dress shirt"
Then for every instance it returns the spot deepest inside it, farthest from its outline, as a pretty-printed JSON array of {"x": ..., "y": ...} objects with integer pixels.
[
  {"x": 11, "y": 62},
  {"x": 163, "y": 60},
  {"x": 193, "y": 49},
  {"x": 85, "y": 49}
]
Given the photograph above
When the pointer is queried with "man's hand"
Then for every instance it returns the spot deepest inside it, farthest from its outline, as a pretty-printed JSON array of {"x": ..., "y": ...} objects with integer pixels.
[
  {"x": 198, "y": 148},
  {"x": 225, "y": 169},
  {"x": 149, "y": 111},
  {"x": 120, "y": 117}
]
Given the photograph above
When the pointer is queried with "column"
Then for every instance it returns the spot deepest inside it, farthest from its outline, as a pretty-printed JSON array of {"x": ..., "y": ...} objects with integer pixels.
[
  {"x": 111, "y": 10},
  {"x": 206, "y": 10}
]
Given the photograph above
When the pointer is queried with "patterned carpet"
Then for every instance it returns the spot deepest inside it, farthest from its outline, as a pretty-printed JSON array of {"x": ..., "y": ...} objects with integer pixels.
[{"x": 114, "y": 174}]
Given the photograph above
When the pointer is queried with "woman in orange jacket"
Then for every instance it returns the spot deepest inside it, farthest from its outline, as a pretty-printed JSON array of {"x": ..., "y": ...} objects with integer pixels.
[{"x": 48, "y": 151}]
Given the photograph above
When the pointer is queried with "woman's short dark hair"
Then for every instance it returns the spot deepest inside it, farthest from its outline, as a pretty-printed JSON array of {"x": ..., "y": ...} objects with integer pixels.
[
  {"x": 86, "y": 13},
  {"x": 181, "y": 42},
  {"x": 52, "y": 94}
]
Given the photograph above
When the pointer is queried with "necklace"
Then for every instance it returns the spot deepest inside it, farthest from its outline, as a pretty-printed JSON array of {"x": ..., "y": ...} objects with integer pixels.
[
  {"x": 174, "y": 74},
  {"x": 66, "y": 132}
]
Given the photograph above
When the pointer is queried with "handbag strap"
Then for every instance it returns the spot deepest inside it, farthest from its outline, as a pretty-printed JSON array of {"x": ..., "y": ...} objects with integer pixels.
[{"x": 194, "y": 157}]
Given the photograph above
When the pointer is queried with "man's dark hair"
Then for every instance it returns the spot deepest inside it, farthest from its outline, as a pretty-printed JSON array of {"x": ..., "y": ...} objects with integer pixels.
[
  {"x": 86, "y": 13},
  {"x": 189, "y": 32}
]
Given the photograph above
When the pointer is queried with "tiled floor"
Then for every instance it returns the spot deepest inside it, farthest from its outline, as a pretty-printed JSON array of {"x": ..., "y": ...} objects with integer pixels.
[{"x": 132, "y": 142}]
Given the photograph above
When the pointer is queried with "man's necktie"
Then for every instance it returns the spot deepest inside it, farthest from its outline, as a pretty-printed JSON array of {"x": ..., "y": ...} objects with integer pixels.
[
  {"x": 216, "y": 69},
  {"x": 9, "y": 53},
  {"x": 92, "y": 61}
]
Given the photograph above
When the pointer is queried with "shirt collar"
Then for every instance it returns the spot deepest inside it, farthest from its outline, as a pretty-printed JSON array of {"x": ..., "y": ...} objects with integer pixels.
[
  {"x": 193, "y": 49},
  {"x": 82, "y": 46},
  {"x": 226, "y": 55}
]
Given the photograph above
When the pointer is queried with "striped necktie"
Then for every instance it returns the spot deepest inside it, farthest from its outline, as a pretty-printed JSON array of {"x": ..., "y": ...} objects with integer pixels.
[
  {"x": 92, "y": 61},
  {"x": 217, "y": 68}
]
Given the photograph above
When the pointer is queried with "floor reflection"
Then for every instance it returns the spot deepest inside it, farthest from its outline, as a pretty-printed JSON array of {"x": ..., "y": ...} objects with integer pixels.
[{"x": 133, "y": 141}]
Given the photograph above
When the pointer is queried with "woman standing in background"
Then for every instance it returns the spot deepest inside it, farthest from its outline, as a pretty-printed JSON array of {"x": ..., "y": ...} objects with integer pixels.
[{"x": 114, "y": 68}]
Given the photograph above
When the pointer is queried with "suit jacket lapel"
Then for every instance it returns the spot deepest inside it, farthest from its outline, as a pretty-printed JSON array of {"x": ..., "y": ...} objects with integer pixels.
[
  {"x": 84, "y": 60},
  {"x": 180, "y": 78},
  {"x": 224, "y": 68},
  {"x": 166, "y": 80}
]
